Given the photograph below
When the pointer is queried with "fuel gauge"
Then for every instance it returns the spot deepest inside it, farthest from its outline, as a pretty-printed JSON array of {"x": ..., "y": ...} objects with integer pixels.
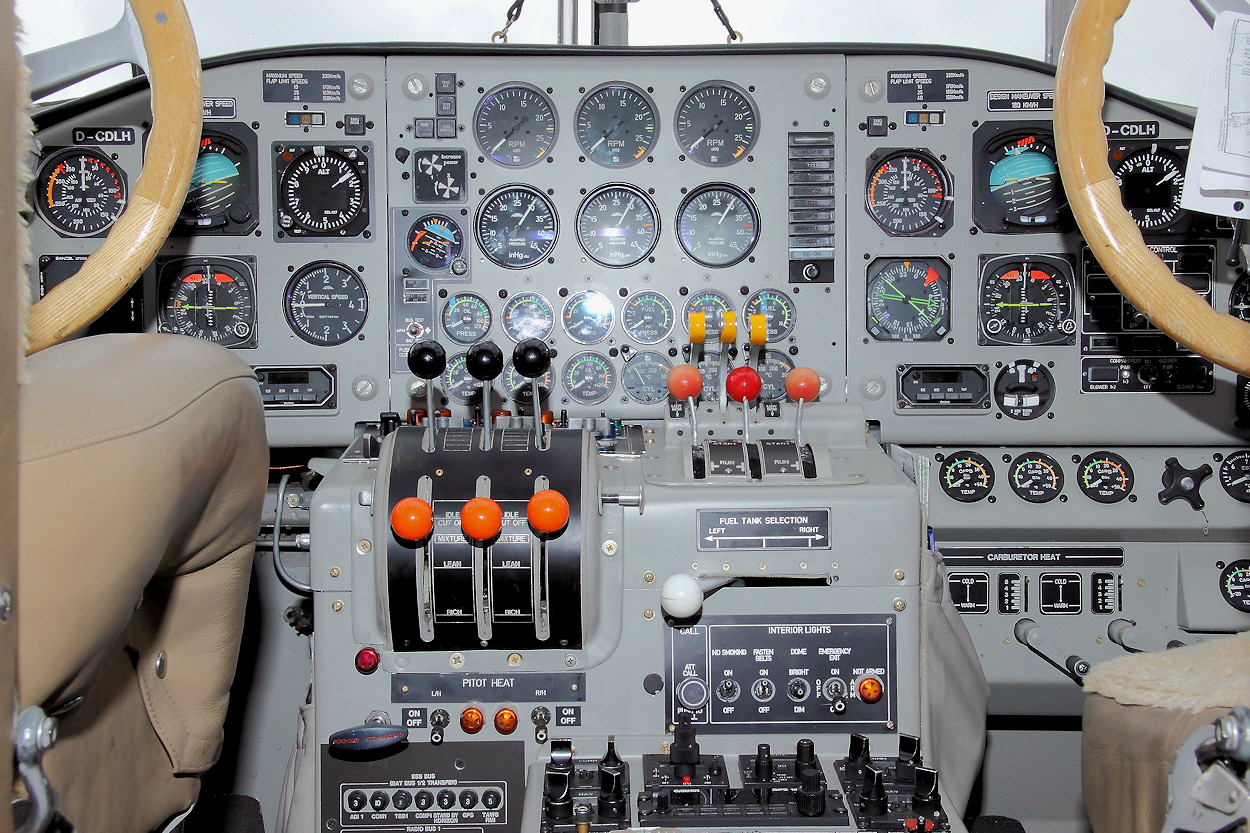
[{"x": 714, "y": 305}]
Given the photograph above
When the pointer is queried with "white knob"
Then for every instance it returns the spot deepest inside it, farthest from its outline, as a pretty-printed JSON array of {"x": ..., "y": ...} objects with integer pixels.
[{"x": 681, "y": 596}]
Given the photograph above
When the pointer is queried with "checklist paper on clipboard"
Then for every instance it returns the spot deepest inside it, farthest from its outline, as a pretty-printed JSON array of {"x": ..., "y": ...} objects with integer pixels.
[{"x": 1217, "y": 179}]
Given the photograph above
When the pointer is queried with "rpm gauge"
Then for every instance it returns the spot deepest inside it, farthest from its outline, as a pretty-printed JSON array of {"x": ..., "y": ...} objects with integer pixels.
[
  {"x": 617, "y": 225},
  {"x": 717, "y": 225},
  {"x": 435, "y": 242},
  {"x": 528, "y": 315},
  {"x": 588, "y": 377},
  {"x": 588, "y": 316},
  {"x": 616, "y": 124},
  {"x": 908, "y": 194},
  {"x": 80, "y": 192},
  {"x": 515, "y": 125},
  {"x": 1026, "y": 301},
  {"x": 213, "y": 299},
  {"x": 516, "y": 226},
  {"x": 778, "y": 309},
  {"x": 966, "y": 476},
  {"x": 466, "y": 318},
  {"x": 326, "y": 303},
  {"x": 645, "y": 377},
  {"x": 908, "y": 299},
  {"x": 1105, "y": 477},
  {"x": 1235, "y": 475},
  {"x": 1151, "y": 180},
  {"x": 716, "y": 123},
  {"x": 647, "y": 317},
  {"x": 1036, "y": 477},
  {"x": 323, "y": 191}
]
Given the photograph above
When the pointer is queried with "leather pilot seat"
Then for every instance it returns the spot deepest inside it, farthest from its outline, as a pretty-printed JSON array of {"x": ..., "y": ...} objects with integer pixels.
[
  {"x": 1140, "y": 709},
  {"x": 142, "y": 469}
]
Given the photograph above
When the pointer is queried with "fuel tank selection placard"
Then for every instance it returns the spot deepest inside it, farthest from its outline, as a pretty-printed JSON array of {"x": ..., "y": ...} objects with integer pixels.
[
  {"x": 789, "y": 672},
  {"x": 763, "y": 529}
]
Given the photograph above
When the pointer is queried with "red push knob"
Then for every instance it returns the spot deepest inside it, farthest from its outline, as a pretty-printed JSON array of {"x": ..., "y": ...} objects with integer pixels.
[
  {"x": 548, "y": 511},
  {"x": 743, "y": 383},
  {"x": 412, "y": 519},
  {"x": 802, "y": 384},
  {"x": 685, "y": 381},
  {"x": 481, "y": 518}
]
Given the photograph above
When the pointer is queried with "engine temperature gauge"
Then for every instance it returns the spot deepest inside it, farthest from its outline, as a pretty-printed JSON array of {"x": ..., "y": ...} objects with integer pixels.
[
  {"x": 966, "y": 476},
  {"x": 1105, "y": 477},
  {"x": 1235, "y": 585},
  {"x": 645, "y": 377},
  {"x": 1036, "y": 477},
  {"x": 589, "y": 378}
]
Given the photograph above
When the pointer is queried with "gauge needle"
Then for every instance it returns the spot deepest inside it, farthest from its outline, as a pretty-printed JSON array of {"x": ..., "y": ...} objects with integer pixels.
[
  {"x": 611, "y": 131},
  {"x": 1094, "y": 484},
  {"x": 1170, "y": 175},
  {"x": 1240, "y": 480},
  {"x": 206, "y": 306},
  {"x": 522, "y": 122},
  {"x": 301, "y": 306},
  {"x": 620, "y": 218},
  {"x": 528, "y": 209},
  {"x": 579, "y": 384},
  {"x": 342, "y": 179},
  {"x": 725, "y": 213}
]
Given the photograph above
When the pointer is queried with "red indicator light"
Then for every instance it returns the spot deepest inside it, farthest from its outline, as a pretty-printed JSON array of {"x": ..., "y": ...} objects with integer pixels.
[
  {"x": 472, "y": 720},
  {"x": 506, "y": 721},
  {"x": 367, "y": 660}
]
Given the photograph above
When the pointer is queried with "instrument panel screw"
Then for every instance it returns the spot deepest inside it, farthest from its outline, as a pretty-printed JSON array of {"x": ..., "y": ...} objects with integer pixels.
[
  {"x": 648, "y": 614},
  {"x": 664, "y": 746},
  {"x": 335, "y": 572},
  {"x": 725, "y": 566},
  {"x": 456, "y": 660},
  {"x": 292, "y": 500},
  {"x": 899, "y": 575},
  {"x": 609, "y": 548},
  {"x": 336, "y": 605},
  {"x": 648, "y": 577},
  {"x": 569, "y": 660},
  {"x": 514, "y": 660},
  {"x": 364, "y": 545},
  {"x": 1141, "y": 582},
  {"x": 889, "y": 724},
  {"x": 900, "y": 605}
]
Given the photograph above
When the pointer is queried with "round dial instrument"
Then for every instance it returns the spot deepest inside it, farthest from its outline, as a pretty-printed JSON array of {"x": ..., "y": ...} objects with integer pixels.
[
  {"x": 647, "y": 317},
  {"x": 715, "y": 306},
  {"x": 1105, "y": 477},
  {"x": 528, "y": 315},
  {"x": 588, "y": 316},
  {"x": 717, "y": 225},
  {"x": 645, "y": 377},
  {"x": 617, "y": 225},
  {"x": 1235, "y": 475},
  {"x": 588, "y": 377},
  {"x": 774, "y": 366},
  {"x": 515, "y": 125},
  {"x": 1036, "y": 477},
  {"x": 217, "y": 182},
  {"x": 908, "y": 193},
  {"x": 326, "y": 303},
  {"x": 966, "y": 476},
  {"x": 616, "y": 124},
  {"x": 458, "y": 385},
  {"x": 80, "y": 192},
  {"x": 466, "y": 318},
  {"x": 519, "y": 388},
  {"x": 778, "y": 310},
  {"x": 1024, "y": 179},
  {"x": 322, "y": 191},
  {"x": 516, "y": 226},
  {"x": 1235, "y": 585},
  {"x": 908, "y": 299},
  {"x": 211, "y": 300},
  {"x": 709, "y": 369},
  {"x": 1025, "y": 301},
  {"x": 1239, "y": 298},
  {"x": 434, "y": 242},
  {"x": 1024, "y": 389},
  {"x": 716, "y": 123},
  {"x": 1151, "y": 180}
]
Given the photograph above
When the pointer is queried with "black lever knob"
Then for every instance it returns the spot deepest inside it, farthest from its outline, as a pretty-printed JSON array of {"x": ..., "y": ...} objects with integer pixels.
[
  {"x": 683, "y": 753},
  {"x": 531, "y": 358},
  {"x": 611, "y": 784},
  {"x": 908, "y": 758},
  {"x": 810, "y": 798},
  {"x": 484, "y": 361},
  {"x": 872, "y": 799},
  {"x": 861, "y": 751},
  {"x": 926, "y": 799},
  {"x": 427, "y": 360},
  {"x": 1183, "y": 483}
]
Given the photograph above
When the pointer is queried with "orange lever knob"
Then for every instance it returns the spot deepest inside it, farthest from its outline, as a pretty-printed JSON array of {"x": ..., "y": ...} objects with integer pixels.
[
  {"x": 802, "y": 384},
  {"x": 481, "y": 518},
  {"x": 548, "y": 511},
  {"x": 412, "y": 519},
  {"x": 743, "y": 384},
  {"x": 685, "y": 381}
]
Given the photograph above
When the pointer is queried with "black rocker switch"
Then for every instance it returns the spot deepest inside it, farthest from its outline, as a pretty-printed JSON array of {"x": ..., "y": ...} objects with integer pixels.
[
  {"x": 908, "y": 758},
  {"x": 872, "y": 799}
]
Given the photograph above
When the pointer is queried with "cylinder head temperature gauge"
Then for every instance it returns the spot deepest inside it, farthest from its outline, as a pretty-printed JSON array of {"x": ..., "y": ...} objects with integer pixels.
[{"x": 909, "y": 194}]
